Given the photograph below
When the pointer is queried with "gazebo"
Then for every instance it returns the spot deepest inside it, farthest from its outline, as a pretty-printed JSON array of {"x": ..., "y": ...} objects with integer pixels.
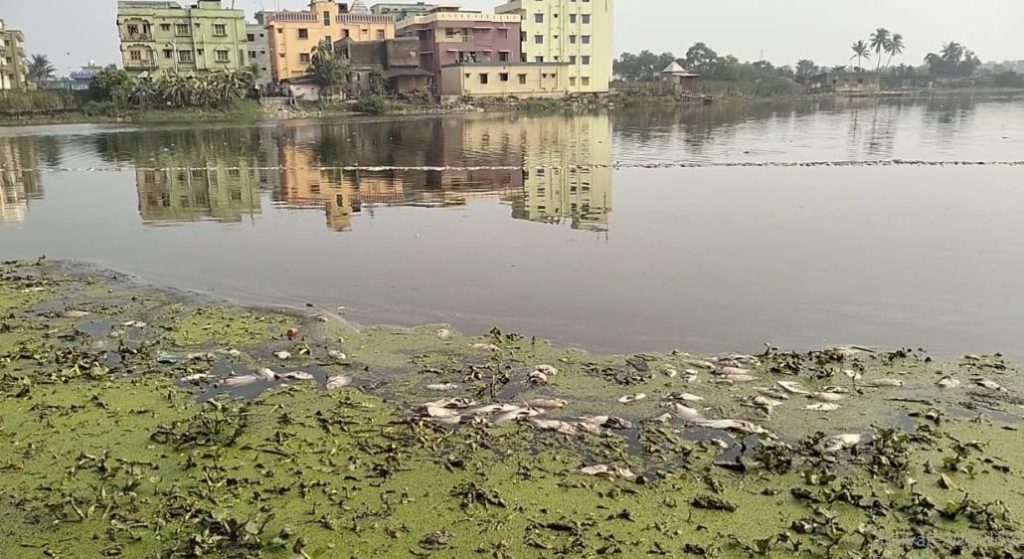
[{"x": 682, "y": 81}]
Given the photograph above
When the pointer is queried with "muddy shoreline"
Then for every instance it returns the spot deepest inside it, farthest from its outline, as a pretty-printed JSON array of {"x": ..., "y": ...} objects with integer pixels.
[{"x": 142, "y": 422}]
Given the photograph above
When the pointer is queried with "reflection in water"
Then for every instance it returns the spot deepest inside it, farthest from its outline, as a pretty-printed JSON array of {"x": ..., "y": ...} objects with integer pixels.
[
  {"x": 19, "y": 179},
  {"x": 219, "y": 193}
]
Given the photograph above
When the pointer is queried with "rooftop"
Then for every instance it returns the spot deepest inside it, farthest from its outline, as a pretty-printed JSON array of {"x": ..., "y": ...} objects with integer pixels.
[{"x": 461, "y": 16}]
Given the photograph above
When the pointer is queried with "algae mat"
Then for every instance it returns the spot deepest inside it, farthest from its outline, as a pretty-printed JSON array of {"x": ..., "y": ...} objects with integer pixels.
[{"x": 137, "y": 422}]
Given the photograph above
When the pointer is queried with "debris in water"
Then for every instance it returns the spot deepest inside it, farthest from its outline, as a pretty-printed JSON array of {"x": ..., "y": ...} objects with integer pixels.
[
  {"x": 555, "y": 425},
  {"x": 989, "y": 384},
  {"x": 883, "y": 382},
  {"x": 538, "y": 377},
  {"x": 547, "y": 370},
  {"x": 630, "y": 398},
  {"x": 948, "y": 382},
  {"x": 245, "y": 380},
  {"x": 296, "y": 376},
  {"x": 606, "y": 471},
  {"x": 292, "y": 333},
  {"x": 195, "y": 378},
  {"x": 337, "y": 355},
  {"x": 134, "y": 324},
  {"x": 337, "y": 382},
  {"x": 792, "y": 387},
  {"x": 487, "y": 347},
  {"x": 446, "y": 387},
  {"x": 282, "y": 354},
  {"x": 516, "y": 414},
  {"x": 855, "y": 375},
  {"x": 687, "y": 397},
  {"x": 827, "y": 396},
  {"x": 733, "y": 425},
  {"x": 843, "y": 441},
  {"x": 547, "y": 403},
  {"x": 76, "y": 314},
  {"x": 947, "y": 482},
  {"x": 822, "y": 407}
]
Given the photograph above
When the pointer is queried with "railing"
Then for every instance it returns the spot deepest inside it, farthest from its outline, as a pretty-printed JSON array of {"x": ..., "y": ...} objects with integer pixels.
[
  {"x": 137, "y": 37},
  {"x": 455, "y": 39},
  {"x": 151, "y": 63}
]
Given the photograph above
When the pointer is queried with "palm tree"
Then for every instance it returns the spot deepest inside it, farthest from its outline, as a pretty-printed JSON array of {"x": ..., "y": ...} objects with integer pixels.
[
  {"x": 880, "y": 43},
  {"x": 896, "y": 46},
  {"x": 860, "y": 51},
  {"x": 40, "y": 68}
]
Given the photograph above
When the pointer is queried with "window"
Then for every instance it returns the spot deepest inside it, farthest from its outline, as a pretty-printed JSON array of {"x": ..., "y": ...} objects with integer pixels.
[
  {"x": 181, "y": 29},
  {"x": 303, "y": 33},
  {"x": 503, "y": 33},
  {"x": 168, "y": 54},
  {"x": 538, "y": 39},
  {"x": 220, "y": 30},
  {"x": 572, "y": 39},
  {"x": 522, "y": 79},
  {"x": 252, "y": 55},
  {"x": 304, "y": 57},
  {"x": 538, "y": 59},
  {"x": 327, "y": 19},
  {"x": 165, "y": 27},
  {"x": 572, "y": 59},
  {"x": 222, "y": 56},
  {"x": 280, "y": 31},
  {"x": 585, "y": 80},
  {"x": 185, "y": 56},
  {"x": 503, "y": 76},
  {"x": 380, "y": 34},
  {"x": 250, "y": 37},
  {"x": 484, "y": 78},
  {"x": 134, "y": 55},
  {"x": 503, "y": 56},
  {"x": 538, "y": 18},
  {"x": 328, "y": 40},
  {"x": 572, "y": 81},
  {"x": 572, "y": 18},
  {"x": 585, "y": 18},
  {"x": 133, "y": 29},
  {"x": 199, "y": 52},
  {"x": 585, "y": 39},
  {"x": 586, "y": 60}
]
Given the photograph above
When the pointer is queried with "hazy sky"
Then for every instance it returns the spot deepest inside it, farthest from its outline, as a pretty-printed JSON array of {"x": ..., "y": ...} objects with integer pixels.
[{"x": 72, "y": 32}]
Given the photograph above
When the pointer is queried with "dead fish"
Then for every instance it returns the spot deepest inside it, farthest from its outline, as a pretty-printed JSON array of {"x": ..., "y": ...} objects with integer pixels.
[
  {"x": 454, "y": 403},
  {"x": 201, "y": 357},
  {"x": 538, "y": 377},
  {"x": 76, "y": 314},
  {"x": 337, "y": 355},
  {"x": 663, "y": 418},
  {"x": 292, "y": 333},
  {"x": 442, "y": 387},
  {"x": 736, "y": 371},
  {"x": 487, "y": 347},
  {"x": 266, "y": 374},
  {"x": 229, "y": 352},
  {"x": 296, "y": 376},
  {"x": 195, "y": 378},
  {"x": 883, "y": 382},
  {"x": 739, "y": 377},
  {"x": 766, "y": 403},
  {"x": 947, "y": 483},
  {"x": 687, "y": 397},
  {"x": 630, "y": 398},
  {"x": 792, "y": 387},
  {"x": 852, "y": 374},
  {"x": 670, "y": 371},
  {"x": 685, "y": 413},
  {"x": 245, "y": 380},
  {"x": 772, "y": 393},
  {"x": 338, "y": 382},
  {"x": 948, "y": 382},
  {"x": 563, "y": 427},
  {"x": 609, "y": 472},
  {"x": 608, "y": 422},
  {"x": 704, "y": 364},
  {"x": 822, "y": 407},
  {"x": 836, "y": 443},
  {"x": 546, "y": 369},
  {"x": 282, "y": 354},
  {"x": 453, "y": 420},
  {"x": 437, "y": 411},
  {"x": 36, "y": 289},
  {"x": 827, "y": 396},
  {"x": 547, "y": 403},
  {"x": 989, "y": 384},
  {"x": 514, "y": 415},
  {"x": 134, "y": 324},
  {"x": 443, "y": 333},
  {"x": 733, "y": 425},
  {"x": 589, "y": 428},
  {"x": 492, "y": 408}
]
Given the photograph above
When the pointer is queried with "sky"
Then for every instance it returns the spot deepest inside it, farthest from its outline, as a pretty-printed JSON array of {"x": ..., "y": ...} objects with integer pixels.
[{"x": 782, "y": 31}]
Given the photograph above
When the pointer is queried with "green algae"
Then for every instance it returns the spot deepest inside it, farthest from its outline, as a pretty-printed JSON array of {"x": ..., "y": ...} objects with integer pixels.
[{"x": 104, "y": 452}]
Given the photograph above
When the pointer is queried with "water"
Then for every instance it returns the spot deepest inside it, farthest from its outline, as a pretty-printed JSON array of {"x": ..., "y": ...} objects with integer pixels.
[{"x": 629, "y": 232}]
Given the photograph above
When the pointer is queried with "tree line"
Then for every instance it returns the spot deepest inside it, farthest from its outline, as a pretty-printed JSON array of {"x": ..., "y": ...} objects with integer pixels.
[{"x": 172, "y": 89}]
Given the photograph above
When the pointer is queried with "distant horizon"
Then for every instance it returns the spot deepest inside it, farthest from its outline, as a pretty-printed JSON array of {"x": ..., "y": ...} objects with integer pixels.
[{"x": 803, "y": 29}]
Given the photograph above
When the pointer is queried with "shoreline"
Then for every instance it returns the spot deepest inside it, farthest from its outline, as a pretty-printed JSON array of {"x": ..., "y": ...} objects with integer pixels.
[{"x": 137, "y": 421}]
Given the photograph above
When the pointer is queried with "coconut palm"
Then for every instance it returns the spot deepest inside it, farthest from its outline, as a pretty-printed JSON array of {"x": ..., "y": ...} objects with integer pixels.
[
  {"x": 860, "y": 51},
  {"x": 896, "y": 46},
  {"x": 880, "y": 41},
  {"x": 39, "y": 68}
]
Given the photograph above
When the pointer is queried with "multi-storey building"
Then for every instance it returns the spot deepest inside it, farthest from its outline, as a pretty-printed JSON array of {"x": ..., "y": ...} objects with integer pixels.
[
  {"x": 259, "y": 52},
  {"x": 12, "y": 58},
  {"x": 577, "y": 32},
  {"x": 401, "y": 11},
  {"x": 293, "y": 36},
  {"x": 164, "y": 36}
]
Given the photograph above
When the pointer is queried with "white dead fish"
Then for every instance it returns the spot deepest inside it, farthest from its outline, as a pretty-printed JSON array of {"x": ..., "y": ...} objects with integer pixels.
[
  {"x": 792, "y": 387},
  {"x": 736, "y": 371},
  {"x": 739, "y": 377},
  {"x": 338, "y": 382},
  {"x": 538, "y": 377},
  {"x": 296, "y": 376},
  {"x": 766, "y": 403},
  {"x": 989, "y": 384},
  {"x": 883, "y": 382},
  {"x": 201, "y": 357},
  {"x": 704, "y": 364},
  {"x": 453, "y": 403},
  {"x": 685, "y": 413},
  {"x": 724, "y": 445},
  {"x": 547, "y": 370},
  {"x": 492, "y": 408},
  {"x": 229, "y": 352},
  {"x": 486, "y": 347},
  {"x": 733, "y": 425},
  {"x": 669, "y": 371},
  {"x": 266, "y": 374},
  {"x": 195, "y": 378},
  {"x": 824, "y": 406},
  {"x": 630, "y": 398},
  {"x": 134, "y": 324},
  {"x": 547, "y": 403},
  {"x": 608, "y": 422},
  {"x": 444, "y": 333},
  {"x": 948, "y": 382},
  {"x": 589, "y": 428},
  {"x": 852, "y": 374},
  {"x": 453, "y": 420},
  {"x": 514, "y": 415},
  {"x": 563, "y": 427},
  {"x": 36, "y": 289},
  {"x": 687, "y": 397},
  {"x": 827, "y": 396},
  {"x": 442, "y": 387},
  {"x": 76, "y": 314},
  {"x": 839, "y": 442},
  {"x": 609, "y": 472},
  {"x": 282, "y": 354},
  {"x": 235, "y": 382},
  {"x": 772, "y": 393},
  {"x": 337, "y": 355},
  {"x": 437, "y": 411},
  {"x": 663, "y": 418}
]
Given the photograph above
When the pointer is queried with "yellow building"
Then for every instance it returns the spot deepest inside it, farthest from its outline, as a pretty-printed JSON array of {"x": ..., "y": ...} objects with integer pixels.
[
  {"x": 224, "y": 193},
  {"x": 19, "y": 179},
  {"x": 576, "y": 32},
  {"x": 293, "y": 36},
  {"x": 505, "y": 80}
]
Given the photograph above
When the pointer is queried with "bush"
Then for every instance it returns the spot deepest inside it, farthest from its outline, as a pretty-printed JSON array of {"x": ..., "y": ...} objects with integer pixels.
[
  {"x": 28, "y": 102},
  {"x": 370, "y": 106},
  {"x": 1009, "y": 79}
]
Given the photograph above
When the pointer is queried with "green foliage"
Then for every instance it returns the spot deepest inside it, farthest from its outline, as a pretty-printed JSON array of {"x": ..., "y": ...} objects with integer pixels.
[
  {"x": 172, "y": 89},
  {"x": 861, "y": 51},
  {"x": 44, "y": 101},
  {"x": 1009, "y": 79},
  {"x": 701, "y": 59},
  {"x": 806, "y": 68},
  {"x": 373, "y": 105},
  {"x": 328, "y": 70},
  {"x": 39, "y": 68},
  {"x": 111, "y": 85},
  {"x": 642, "y": 67},
  {"x": 953, "y": 60}
]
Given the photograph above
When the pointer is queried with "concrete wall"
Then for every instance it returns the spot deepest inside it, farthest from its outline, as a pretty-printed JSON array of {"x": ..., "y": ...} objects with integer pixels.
[
  {"x": 511, "y": 80},
  {"x": 259, "y": 52}
]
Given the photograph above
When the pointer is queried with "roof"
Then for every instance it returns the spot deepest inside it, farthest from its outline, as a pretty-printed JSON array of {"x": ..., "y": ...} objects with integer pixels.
[
  {"x": 675, "y": 69},
  {"x": 358, "y": 7}
]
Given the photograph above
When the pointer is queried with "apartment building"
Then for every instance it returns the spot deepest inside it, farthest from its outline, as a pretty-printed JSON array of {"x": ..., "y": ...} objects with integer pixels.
[{"x": 12, "y": 59}]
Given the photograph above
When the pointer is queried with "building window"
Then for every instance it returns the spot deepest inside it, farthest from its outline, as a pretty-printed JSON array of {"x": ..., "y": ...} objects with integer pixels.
[
  {"x": 572, "y": 39},
  {"x": 220, "y": 30},
  {"x": 572, "y": 18},
  {"x": 503, "y": 57},
  {"x": 585, "y": 18},
  {"x": 586, "y": 60},
  {"x": 133, "y": 29},
  {"x": 538, "y": 59},
  {"x": 585, "y": 80},
  {"x": 181, "y": 29},
  {"x": 538, "y": 18},
  {"x": 585, "y": 39},
  {"x": 168, "y": 54},
  {"x": 280, "y": 31},
  {"x": 222, "y": 56},
  {"x": 484, "y": 78},
  {"x": 252, "y": 55},
  {"x": 199, "y": 52},
  {"x": 303, "y": 33},
  {"x": 522, "y": 37},
  {"x": 572, "y": 59},
  {"x": 503, "y": 33},
  {"x": 522, "y": 79},
  {"x": 185, "y": 56},
  {"x": 380, "y": 34},
  {"x": 134, "y": 55},
  {"x": 572, "y": 81},
  {"x": 165, "y": 27},
  {"x": 304, "y": 57},
  {"x": 327, "y": 19},
  {"x": 250, "y": 37},
  {"x": 503, "y": 76},
  {"x": 538, "y": 39}
]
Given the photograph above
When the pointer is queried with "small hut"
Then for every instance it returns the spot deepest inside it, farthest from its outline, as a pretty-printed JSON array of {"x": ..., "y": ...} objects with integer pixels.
[{"x": 681, "y": 80}]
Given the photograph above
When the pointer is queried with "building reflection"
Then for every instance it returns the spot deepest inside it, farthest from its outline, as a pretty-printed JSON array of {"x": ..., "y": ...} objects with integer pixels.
[{"x": 19, "y": 179}]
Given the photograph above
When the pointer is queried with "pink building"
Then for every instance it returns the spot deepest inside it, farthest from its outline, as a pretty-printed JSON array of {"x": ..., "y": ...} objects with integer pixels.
[{"x": 450, "y": 36}]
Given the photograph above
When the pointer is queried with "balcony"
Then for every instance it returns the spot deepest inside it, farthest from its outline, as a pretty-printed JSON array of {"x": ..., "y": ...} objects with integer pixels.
[
  {"x": 143, "y": 64},
  {"x": 137, "y": 37}
]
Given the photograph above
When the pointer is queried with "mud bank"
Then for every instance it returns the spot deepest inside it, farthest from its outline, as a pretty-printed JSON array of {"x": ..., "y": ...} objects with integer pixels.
[{"x": 137, "y": 422}]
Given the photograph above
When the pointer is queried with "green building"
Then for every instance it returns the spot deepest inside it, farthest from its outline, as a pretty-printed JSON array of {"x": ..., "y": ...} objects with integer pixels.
[
  {"x": 12, "y": 59},
  {"x": 164, "y": 36}
]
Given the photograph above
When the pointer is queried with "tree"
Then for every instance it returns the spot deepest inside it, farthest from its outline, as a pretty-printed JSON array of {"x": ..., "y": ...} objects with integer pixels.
[
  {"x": 953, "y": 59},
  {"x": 329, "y": 71},
  {"x": 895, "y": 48},
  {"x": 860, "y": 51},
  {"x": 838, "y": 69},
  {"x": 880, "y": 43},
  {"x": 110, "y": 85},
  {"x": 806, "y": 68},
  {"x": 701, "y": 59},
  {"x": 39, "y": 68}
]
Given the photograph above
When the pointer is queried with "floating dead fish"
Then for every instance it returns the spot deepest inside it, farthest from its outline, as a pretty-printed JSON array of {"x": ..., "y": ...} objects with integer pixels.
[
  {"x": 266, "y": 374},
  {"x": 195, "y": 378},
  {"x": 685, "y": 413},
  {"x": 608, "y": 422},
  {"x": 989, "y": 384},
  {"x": 442, "y": 387},
  {"x": 76, "y": 314},
  {"x": 487, "y": 347},
  {"x": 772, "y": 393},
  {"x": 845, "y": 351},
  {"x": 134, "y": 324},
  {"x": 492, "y": 408},
  {"x": 766, "y": 403},
  {"x": 727, "y": 371},
  {"x": 292, "y": 333},
  {"x": 296, "y": 376},
  {"x": 687, "y": 397},
  {"x": 827, "y": 396},
  {"x": 630, "y": 398},
  {"x": 663, "y": 418},
  {"x": 515, "y": 415},
  {"x": 443, "y": 333},
  {"x": 609, "y": 472},
  {"x": 947, "y": 483},
  {"x": 739, "y": 377},
  {"x": 338, "y": 382},
  {"x": 245, "y": 380},
  {"x": 229, "y": 352},
  {"x": 792, "y": 387},
  {"x": 563, "y": 427},
  {"x": 547, "y": 403},
  {"x": 825, "y": 406},
  {"x": 840, "y": 442},
  {"x": 337, "y": 355},
  {"x": 538, "y": 377},
  {"x": 453, "y": 420},
  {"x": 883, "y": 382},
  {"x": 437, "y": 411},
  {"x": 282, "y": 354},
  {"x": 948, "y": 382},
  {"x": 547, "y": 370},
  {"x": 855, "y": 375},
  {"x": 201, "y": 357},
  {"x": 669, "y": 371},
  {"x": 733, "y": 425},
  {"x": 454, "y": 403},
  {"x": 704, "y": 364},
  {"x": 36, "y": 289}
]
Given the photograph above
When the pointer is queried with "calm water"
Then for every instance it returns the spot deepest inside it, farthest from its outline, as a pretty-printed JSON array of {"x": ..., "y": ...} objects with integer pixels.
[{"x": 558, "y": 226}]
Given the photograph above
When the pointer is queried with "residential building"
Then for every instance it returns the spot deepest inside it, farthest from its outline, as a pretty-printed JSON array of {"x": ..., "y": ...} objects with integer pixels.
[
  {"x": 79, "y": 80},
  {"x": 450, "y": 37},
  {"x": 513, "y": 79},
  {"x": 259, "y": 52},
  {"x": 12, "y": 59},
  {"x": 394, "y": 62},
  {"x": 680, "y": 80},
  {"x": 164, "y": 36},
  {"x": 578, "y": 32},
  {"x": 20, "y": 180},
  {"x": 293, "y": 36},
  {"x": 402, "y": 11}
]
